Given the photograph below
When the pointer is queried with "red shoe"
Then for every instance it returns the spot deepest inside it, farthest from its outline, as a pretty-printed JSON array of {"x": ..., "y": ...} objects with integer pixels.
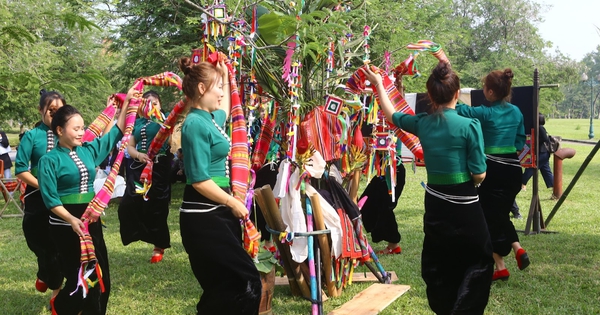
[
  {"x": 52, "y": 309},
  {"x": 157, "y": 255},
  {"x": 40, "y": 285},
  {"x": 501, "y": 275},
  {"x": 390, "y": 251},
  {"x": 522, "y": 259}
]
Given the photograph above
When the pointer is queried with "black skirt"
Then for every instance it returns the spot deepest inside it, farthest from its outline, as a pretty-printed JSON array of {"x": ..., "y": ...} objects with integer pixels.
[
  {"x": 142, "y": 220},
  {"x": 456, "y": 262},
  {"x": 69, "y": 252},
  {"x": 497, "y": 194},
  {"x": 378, "y": 211},
  {"x": 37, "y": 235},
  {"x": 213, "y": 241}
]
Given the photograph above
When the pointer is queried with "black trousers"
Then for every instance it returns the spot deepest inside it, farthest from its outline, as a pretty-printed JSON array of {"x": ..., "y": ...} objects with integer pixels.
[
  {"x": 378, "y": 211},
  {"x": 142, "y": 220},
  {"x": 230, "y": 282},
  {"x": 67, "y": 243},
  {"x": 456, "y": 262},
  {"x": 497, "y": 194},
  {"x": 37, "y": 234}
]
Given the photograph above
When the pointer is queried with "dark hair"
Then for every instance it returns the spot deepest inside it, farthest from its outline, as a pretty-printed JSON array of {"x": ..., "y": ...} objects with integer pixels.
[
  {"x": 46, "y": 98},
  {"x": 154, "y": 94},
  {"x": 62, "y": 116},
  {"x": 500, "y": 82},
  {"x": 542, "y": 119},
  {"x": 442, "y": 85},
  {"x": 195, "y": 73}
]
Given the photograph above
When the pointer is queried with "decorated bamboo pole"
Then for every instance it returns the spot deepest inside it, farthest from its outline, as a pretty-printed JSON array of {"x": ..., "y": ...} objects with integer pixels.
[
  {"x": 324, "y": 245},
  {"x": 311, "y": 258},
  {"x": 266, "y": 200}
]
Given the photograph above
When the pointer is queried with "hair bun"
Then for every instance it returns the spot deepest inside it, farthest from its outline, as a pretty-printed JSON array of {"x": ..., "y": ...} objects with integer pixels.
[
  {"x": 185, "y": 65},
  {"x": 441, "y": 71},
  {"x": 42, "y": 92},
  {"x": 508, "y": 73}
]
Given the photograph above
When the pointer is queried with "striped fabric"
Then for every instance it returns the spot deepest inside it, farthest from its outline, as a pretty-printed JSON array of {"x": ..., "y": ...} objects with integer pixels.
[
  {"x": 89, "y": 264},
  {"x": 163, "y": 79},
  {"x": 324, "y": 132},
  {"x": 240, "y": 164},
  {"x": 433, "y": 48},
  {"x": 259, "y": 156},
  {"x": 356, "y": 84},
  {"x": 101, "y": 199},
  {"x": 105, "y": 118}
]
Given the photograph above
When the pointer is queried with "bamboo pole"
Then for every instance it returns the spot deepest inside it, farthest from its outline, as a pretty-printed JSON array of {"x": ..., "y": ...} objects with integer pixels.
[
  {"x": 266, "y": 201},
  {"x": 324, "y": 245}
]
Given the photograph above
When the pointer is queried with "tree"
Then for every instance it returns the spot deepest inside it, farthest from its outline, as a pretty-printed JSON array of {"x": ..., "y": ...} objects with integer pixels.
[{"x": 49, "y": 45}]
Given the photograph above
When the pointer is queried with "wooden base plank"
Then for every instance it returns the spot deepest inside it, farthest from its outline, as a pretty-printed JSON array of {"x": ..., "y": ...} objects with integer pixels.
[
  {"x": 357, "y": 277},
  {"x": 372, "y": 300}
]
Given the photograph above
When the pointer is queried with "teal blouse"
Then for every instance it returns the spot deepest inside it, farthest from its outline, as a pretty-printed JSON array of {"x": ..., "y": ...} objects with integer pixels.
[
  {"x": 143, "y": 141},
  {"x": 32, "y": 147},
  {"x": 452, "y": 145},
  {"x": 59, "y": 176},
  {"x": 204, "y": 147},
  {"x": 501, "y": 124}
]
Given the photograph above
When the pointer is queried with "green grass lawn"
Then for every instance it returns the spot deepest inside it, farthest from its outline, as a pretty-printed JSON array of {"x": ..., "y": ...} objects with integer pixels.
[{"x": 563, "y": 278}]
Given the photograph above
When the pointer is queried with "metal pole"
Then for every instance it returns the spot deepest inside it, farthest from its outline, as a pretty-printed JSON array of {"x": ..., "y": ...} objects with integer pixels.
[{"x": 591, "y": 135}]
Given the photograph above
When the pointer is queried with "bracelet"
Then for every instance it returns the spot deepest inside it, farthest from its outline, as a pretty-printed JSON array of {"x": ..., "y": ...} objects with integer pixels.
[
  {"x": 138, "y": 156},
  {"x": 376, "y": 85},
  {"x": 227, "y": 201}
]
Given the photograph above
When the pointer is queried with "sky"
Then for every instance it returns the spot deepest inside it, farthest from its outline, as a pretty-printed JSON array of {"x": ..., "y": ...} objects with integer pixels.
[{"x": 569, "y": 25}]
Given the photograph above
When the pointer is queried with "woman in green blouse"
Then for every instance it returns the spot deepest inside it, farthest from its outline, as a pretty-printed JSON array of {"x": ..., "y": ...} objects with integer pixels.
[
  {"x": 66, "y": 177},
  {"x": 503, "y": 134},
  {"x": 209, "y": 215},
  {"x": 454, "y": 224},
  {"x": 34, "y": 144},
  {"x": 140, "y": 219}
]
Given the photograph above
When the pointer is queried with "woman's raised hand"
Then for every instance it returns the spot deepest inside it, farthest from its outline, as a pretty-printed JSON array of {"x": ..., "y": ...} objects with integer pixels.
[{"x": 374, "y": 78}]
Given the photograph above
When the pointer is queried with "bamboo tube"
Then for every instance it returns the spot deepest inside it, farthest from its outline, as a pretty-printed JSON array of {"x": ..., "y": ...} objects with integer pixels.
[
  {"x": 267, "y": 203},
  {"x": 354, "y": 183},
  {"x": 324, "y": 245}
]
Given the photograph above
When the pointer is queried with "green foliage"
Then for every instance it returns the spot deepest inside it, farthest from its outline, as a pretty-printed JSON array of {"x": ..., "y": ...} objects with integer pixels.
[{"x": 54, "y": 47}]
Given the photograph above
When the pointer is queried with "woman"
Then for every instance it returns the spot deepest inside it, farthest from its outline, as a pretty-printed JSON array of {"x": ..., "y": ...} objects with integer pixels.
[
  {"x": 66, "y": 177},
  {"x": 456, "y": 262},
  {"x": 503, "y": 134},
  {"x": 210, "y": 216},
  {"x": 35, "y": 144},
  {"x": 140, "y": 219}
]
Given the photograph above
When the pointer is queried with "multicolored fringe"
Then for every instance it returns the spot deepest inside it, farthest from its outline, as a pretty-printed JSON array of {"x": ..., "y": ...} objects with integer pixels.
[{"x": 89, "y": 265}]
